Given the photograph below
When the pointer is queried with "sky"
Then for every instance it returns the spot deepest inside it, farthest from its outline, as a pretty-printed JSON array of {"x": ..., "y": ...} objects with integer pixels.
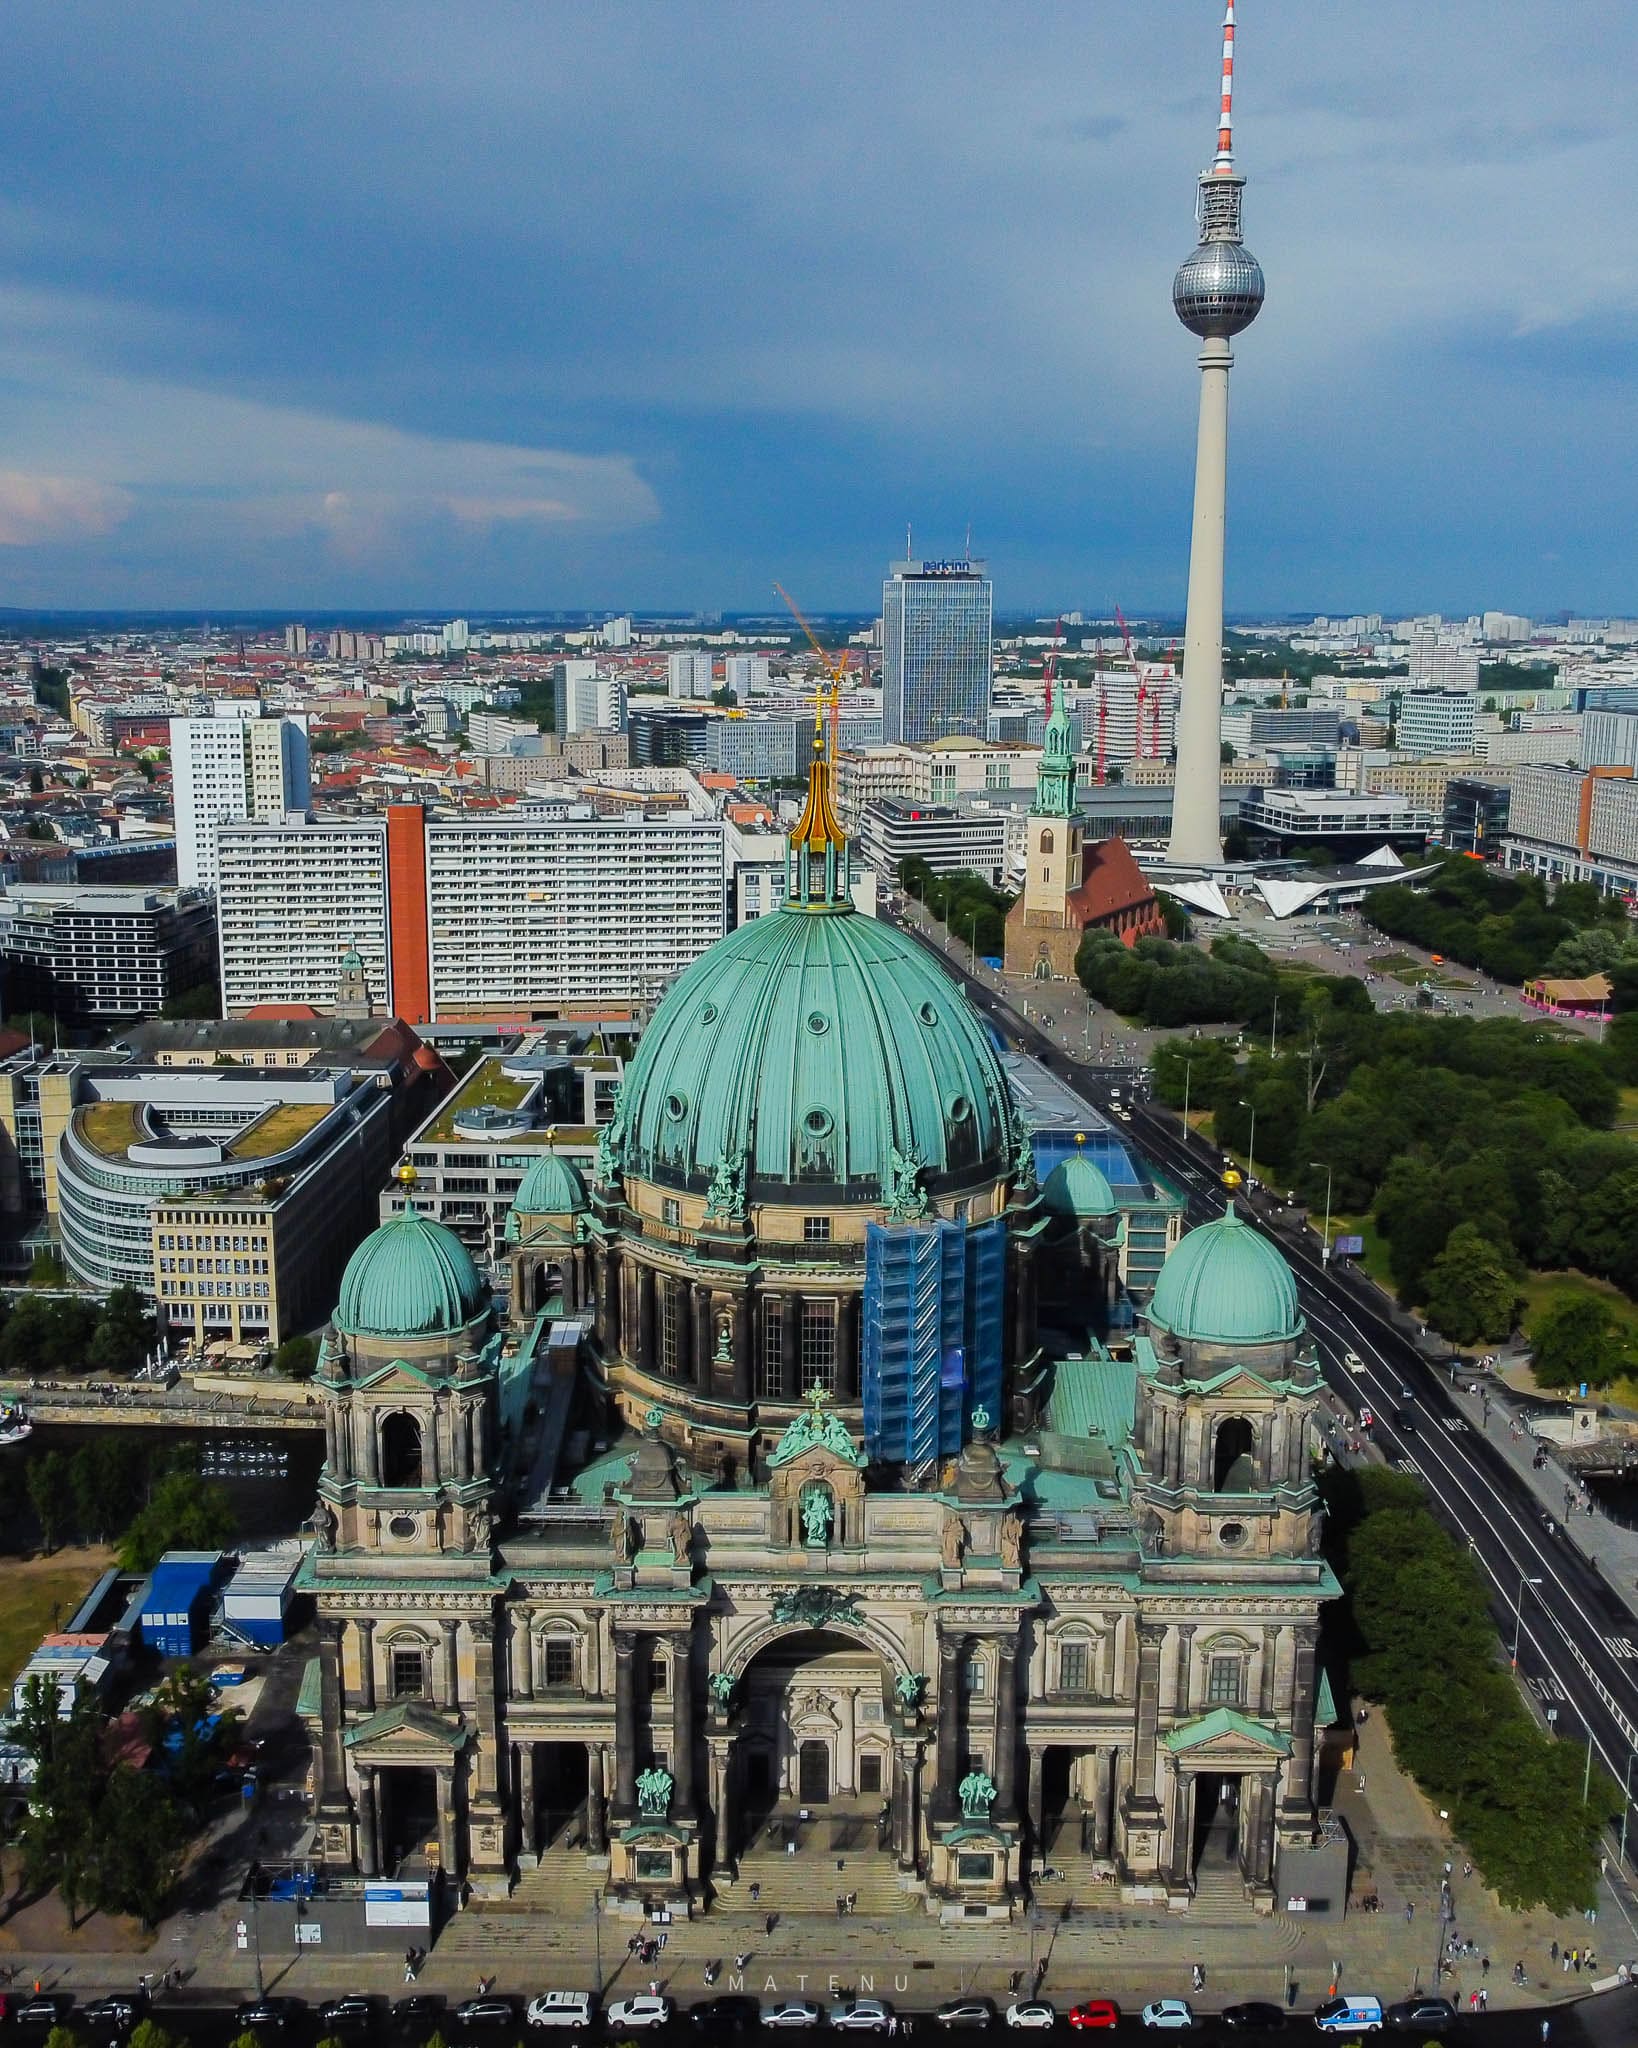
[{"x": 538, "y": 304}]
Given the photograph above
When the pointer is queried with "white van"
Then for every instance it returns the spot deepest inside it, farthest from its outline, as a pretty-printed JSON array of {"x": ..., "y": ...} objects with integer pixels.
[
  {"x": 560, "y": 2009},
  {"x": 1354, "y": 2013}
]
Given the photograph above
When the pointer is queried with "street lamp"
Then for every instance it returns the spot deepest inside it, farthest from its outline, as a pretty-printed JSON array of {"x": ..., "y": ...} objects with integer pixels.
[
  {"x": 1251, "y": 1146},
  {"x": 1518, "y": 1615},
  {"x": 1273, "y": 1026},
  {"x": 1188, "y": 1077},
  {"x": 1315, "y": 1165}
]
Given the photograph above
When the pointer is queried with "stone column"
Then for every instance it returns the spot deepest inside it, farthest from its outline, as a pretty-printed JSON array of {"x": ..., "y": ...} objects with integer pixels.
[
  {"x": 489, "y": 1760},
  {"x": 847, "y": 1348},
  {"x": 528, "y": 1825},
  {"x": 451, "y": 1689},
  {"x": 625, "y": 1724},
  {"x": 364, "y": 1423},
  {"x": 682, "y": 1322},
  {"x": 1023, "y": 1327},
  {"x": 645, "y": 1317},
  {"x": 682, "y": 1727},
  {"x": 704, "y": 1338},
  {"x": 1103, "y": 1800},
  {"x": 790, "y": 1349},
  {"x": 369, "y": 1844},
  {"x": 951, "y": 1650},
  {"x": 366, "y": 1663},
  {"x": 1006, "y": 1730},
  {"x": 1035, "y": 1800},
  {"x": 1180, "y": 1861},
  {"x": 449, "y": 1852},
  {"x": 1142, "y": 1805},
  {"x": 522, "y": 1672},
  {"x": 744, "y": 1332},
  {"x": 597, "y": 1841},
  {"x": 332, "y": 1712},
  {"x": 1298, "y": 1803},
  {"x": 1185, "y": 1653},
  {"x": 1265, "y": 1688},
  {"x": 332, "y": 1458},
  {"x": 905, "y": 1830}
]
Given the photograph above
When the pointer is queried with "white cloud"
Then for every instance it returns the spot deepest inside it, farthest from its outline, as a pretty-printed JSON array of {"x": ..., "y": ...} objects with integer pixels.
[{"x": 35, "y": 508}]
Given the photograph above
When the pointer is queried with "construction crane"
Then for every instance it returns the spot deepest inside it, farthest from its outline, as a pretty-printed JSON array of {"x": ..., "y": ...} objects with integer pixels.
[
  {"x": 1126, "y": 639},
  {"x": 830, "y": 699},
  {"x": 1103, "y": 732}
]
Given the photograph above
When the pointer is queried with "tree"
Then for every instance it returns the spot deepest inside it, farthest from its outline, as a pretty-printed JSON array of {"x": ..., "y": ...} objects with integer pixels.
[
  {"x": 57, "y": 1832},
  {"x": 36, "y": 782},
  {"x": 139, "y": 1843},
  {"x": 1579, "y": 1342},
  {"x": 296, "y": 1357},
  {"x": 150, "y": 2034},
  {"x": 1471, "y": 1295},
  {"x": 185, "y": 1513},
  {"x": 46, "y": 1269},
  {"x": 124, "y": 1335},
  {"x": 46, "y": 1479}
]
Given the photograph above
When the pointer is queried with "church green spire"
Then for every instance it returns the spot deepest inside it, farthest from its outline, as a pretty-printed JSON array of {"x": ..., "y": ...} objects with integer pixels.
[{"x": 1055, "y": 785}]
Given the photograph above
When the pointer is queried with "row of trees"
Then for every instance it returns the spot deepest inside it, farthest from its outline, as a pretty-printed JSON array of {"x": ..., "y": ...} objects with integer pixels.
[
  {"x": 1158, "y": 982},
  {"x": 112, "y": 1835},
  {"x": 117, "y": 1482},
  {"x": 41, "y": 1333},
  {"x": 1425, "y": 1648},
  {"x": 1487, "y": 1138},
  {"x": 965, "y": 902},
  {"x": 1502, "y": 922}
]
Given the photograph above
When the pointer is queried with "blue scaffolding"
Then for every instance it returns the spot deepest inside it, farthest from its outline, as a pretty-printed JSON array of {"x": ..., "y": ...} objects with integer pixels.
[{"x": 934, "y": 1303}]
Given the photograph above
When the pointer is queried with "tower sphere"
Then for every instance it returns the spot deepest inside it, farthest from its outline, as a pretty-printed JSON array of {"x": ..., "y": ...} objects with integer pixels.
[{"x": 1218, "y": 290}]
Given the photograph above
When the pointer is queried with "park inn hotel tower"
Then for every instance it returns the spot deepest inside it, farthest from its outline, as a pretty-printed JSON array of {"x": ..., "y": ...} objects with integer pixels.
[{"x": 814, "y": 1478}]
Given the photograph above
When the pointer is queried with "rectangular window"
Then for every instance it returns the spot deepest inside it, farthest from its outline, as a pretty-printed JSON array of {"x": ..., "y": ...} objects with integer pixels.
[
  {"x": 870, "y": 1771},
  {"x": 973, "y": 1675},
  {"x": 818, "y": 1346},
  {"x": 816, "y": 1230},
  {"x": 670, "y": 1210},
  {"x": 972, "y": 1869},
  {"x": 408, "y": 1674},
  {"x": 659, "y": 1676},
  {"x": 1225, "y": 1681},
  {"x": 669, "y": 1319},
  {"x": 560, "y": 1660},
  {"x": 1072, "y": 1668},
  {"x": 770, "y": 1367}
]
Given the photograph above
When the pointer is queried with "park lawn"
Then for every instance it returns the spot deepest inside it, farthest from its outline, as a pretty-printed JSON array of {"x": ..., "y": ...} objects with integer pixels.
[
  {"x": 1626, "y": 1114},
  {"x": 41, "y": 1593},
  {"x": 1544, "y": 1291},
  {"x": 1375, "y": 1259}
]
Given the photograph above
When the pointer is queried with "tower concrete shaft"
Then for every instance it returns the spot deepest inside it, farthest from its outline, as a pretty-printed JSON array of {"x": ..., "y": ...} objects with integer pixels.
[{"x": 1197, "y": 831}]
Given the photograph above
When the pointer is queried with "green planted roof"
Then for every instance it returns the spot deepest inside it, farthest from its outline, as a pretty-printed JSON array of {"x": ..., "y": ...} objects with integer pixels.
[
  {"x": 1226, "y": 1284},
  {"x": 807, "y": 1048},
  {"x": 1078, "y": 1187},
  {"x": 410, "y": 1278}
]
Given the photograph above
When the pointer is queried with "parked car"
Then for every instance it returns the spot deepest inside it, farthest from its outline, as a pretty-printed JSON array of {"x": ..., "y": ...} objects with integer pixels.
[
  {"x": 44, "y": 2010},
  {"x": 1354, "y": 2013},
  {"x": 1031, "y": 2012},
  {"x": 1095, "y": 2012},
  {"x": 1170, "y": 2013},
  {"x": 1256, "y": 2016},
  {"x": 965, "y": 2012},
  {"x": 116, "y": 2015},
  {"x": 422, "y": 2013},
  {"x": 354, "y": 2015},
  {"x": 265, "y": 2015},
  {"x": 485, "y": 2015},
  {"x": 863, "y": 2015},
  {"x": 648, "y": 2010},
  {"x": 791, "y": 2012},
  {"x": 1427, "y": 2015},
  {"x": 727, "y": 2011},
  {"x": 560, "y": 2009}
]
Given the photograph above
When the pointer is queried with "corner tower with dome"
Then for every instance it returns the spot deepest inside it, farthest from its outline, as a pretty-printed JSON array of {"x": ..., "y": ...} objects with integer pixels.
[{"x": 819, "y": 1478}]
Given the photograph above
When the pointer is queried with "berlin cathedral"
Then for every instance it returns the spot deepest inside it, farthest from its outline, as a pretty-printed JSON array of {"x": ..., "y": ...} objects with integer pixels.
[{"x": 830, "y": 1466}]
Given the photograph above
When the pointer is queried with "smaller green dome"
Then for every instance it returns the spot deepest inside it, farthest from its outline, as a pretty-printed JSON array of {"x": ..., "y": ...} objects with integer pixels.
[
  {"x": 551, "y": 1187},
  {"x": 1226, "y": 1284},
  {"x": 1077, "y": 1186},
  {"x": 410, "y": 1278}
]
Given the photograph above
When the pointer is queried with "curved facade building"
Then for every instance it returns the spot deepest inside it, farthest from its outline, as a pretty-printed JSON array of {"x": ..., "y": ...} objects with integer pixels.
[{"x": 824, "y": 1473}]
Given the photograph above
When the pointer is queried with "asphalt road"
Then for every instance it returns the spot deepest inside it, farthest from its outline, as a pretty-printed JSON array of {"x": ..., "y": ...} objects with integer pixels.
[
  {"x": 1604, "y": 2022},
  {"x": 1577, "y": 1636}
]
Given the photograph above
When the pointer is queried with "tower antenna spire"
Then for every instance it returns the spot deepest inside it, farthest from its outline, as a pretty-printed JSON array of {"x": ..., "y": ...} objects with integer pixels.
[{"x": 1225, "y": 119}]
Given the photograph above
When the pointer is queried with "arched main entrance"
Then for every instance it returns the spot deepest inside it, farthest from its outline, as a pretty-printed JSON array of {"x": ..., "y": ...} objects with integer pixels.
[{"x": 810, "y": 1778}]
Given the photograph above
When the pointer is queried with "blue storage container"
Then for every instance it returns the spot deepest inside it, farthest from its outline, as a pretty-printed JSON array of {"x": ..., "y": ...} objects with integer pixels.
[{"x": 176, "y": 1605}]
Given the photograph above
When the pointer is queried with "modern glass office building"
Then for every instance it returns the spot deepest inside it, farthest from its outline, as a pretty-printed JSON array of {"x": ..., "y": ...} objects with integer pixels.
[{"x": 936, "y": 650}]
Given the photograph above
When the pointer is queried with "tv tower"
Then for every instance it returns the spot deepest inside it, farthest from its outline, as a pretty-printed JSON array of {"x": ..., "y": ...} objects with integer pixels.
[{"x": 1217, "y": 293}]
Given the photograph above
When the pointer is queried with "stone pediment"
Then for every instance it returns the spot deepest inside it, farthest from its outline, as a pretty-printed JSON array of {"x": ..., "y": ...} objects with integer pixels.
[
  {"x": 399, "y": 1372},
  {"x": 409, "y": 1731},
  {"x": 1224, "y": 1735}
]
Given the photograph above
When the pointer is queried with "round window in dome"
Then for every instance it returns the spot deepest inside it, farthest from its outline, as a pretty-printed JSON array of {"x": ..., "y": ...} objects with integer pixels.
[
  {"x": 959, "y": 1109},
  {"x": 818, "y": 1123},
  {"x": 709, "y": 1014},
  {"x": 818, "y": 1022},
  {"x": 676, "y": 1107},
  {"x": 928, "y": 1014},
  {"x": 403, "y": 1527},
  {"x": 1231, "y": 1535}
]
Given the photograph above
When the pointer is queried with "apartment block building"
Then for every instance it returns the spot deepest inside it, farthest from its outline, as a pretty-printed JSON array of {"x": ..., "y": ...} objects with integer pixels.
[{"x": 235, "y": 765}]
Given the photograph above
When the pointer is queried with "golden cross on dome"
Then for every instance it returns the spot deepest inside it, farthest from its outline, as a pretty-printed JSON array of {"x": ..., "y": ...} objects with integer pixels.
[{"x": 819, "y": 1398}]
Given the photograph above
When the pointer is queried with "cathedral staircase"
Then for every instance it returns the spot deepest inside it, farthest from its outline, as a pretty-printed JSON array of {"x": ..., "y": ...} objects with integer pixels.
[{"x": 811, "y": 1881}]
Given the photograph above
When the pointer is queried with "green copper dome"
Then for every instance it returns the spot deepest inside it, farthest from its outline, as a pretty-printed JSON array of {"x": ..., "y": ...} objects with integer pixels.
[
  {"x": 1078, "y": 1187},
  {"x": 804, "y": 1050},
  {"x": 410, "y": 1278},
  {"x": 551, "y": 1187},
  {"x": 1226, "y": 1284}
]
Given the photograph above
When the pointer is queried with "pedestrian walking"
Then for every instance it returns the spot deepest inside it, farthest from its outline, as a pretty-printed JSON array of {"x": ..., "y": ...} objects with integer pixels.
[
  {"x": 1484, "y": 1966},
  {"x": 770, "y": 1923},
  {"x": 741, "y": 1960},
  {"x": 1566, "y": 1962},
  {"x": 1552, "y": 1951},
  {"x": 1546, "y": 2030},
  {"x": 1484, "y": 1999},
  {"x": 1410, "y": 1911},
  {"x": 756, "y": 1894}
]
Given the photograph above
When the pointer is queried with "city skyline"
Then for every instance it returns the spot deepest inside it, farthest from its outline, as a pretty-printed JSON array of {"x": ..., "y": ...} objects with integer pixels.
[{"x": 576, "y": 315}]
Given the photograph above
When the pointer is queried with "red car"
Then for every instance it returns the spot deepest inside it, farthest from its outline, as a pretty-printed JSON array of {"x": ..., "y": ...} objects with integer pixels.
[{"x": 1097, "y": 2012}]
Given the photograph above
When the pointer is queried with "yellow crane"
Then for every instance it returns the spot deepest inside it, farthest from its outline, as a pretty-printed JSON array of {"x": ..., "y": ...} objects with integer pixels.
[{"x": 831, "y": 698}]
